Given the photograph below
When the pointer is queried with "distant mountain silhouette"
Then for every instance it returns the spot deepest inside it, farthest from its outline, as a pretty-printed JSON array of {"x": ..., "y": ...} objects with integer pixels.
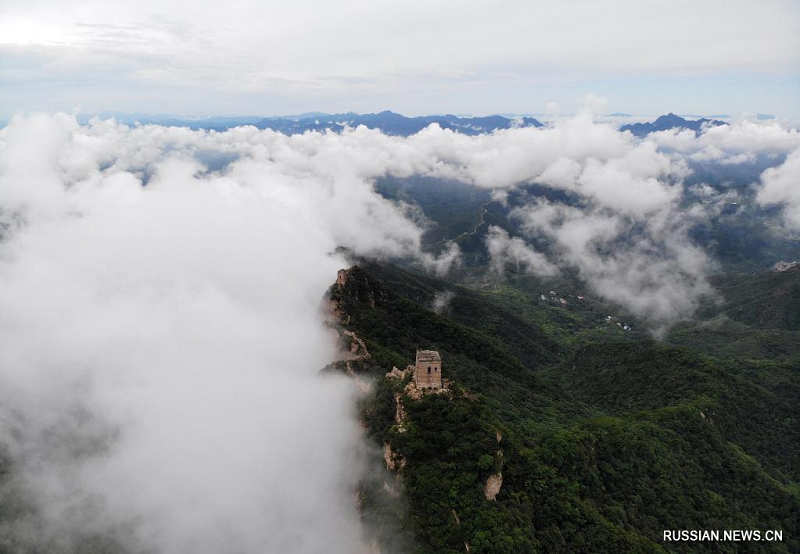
[
  {"x": 669, "y": 121},
  {"x": 390, "y": 123},
  {"x": 393, "y": 123}
]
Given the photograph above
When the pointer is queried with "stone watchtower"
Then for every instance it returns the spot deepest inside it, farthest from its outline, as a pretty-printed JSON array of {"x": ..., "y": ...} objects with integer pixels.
[{"x": 428, "y": 370}]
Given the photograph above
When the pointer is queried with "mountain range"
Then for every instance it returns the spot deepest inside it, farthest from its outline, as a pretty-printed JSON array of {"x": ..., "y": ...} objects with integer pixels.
[
  {"x": 390, "y": 123},
  {"x": 393, "y": 123},
  {"x": 670, "y": 121}
]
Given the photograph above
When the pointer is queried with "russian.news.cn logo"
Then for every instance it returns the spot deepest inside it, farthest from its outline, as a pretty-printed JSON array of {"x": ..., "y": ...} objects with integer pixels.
[{"x": 734, "y": 535}]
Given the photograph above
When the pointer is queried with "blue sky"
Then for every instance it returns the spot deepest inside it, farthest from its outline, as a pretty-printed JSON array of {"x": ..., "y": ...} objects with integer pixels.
[{"x": 415, "y": 57}]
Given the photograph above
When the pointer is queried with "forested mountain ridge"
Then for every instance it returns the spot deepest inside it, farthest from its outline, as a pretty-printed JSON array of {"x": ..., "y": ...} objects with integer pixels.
[{"x": 604, "y": 444}]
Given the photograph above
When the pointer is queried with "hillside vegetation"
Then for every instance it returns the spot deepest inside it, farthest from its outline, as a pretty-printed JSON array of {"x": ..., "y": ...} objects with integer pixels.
[{"x": 602, "y": 444}]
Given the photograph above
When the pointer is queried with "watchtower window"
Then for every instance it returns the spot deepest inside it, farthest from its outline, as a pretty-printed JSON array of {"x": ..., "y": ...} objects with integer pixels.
[{"x": 429, "y": 369}]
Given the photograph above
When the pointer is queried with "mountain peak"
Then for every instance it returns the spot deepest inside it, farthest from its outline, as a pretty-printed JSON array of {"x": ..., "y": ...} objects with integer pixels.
[{"x": 670, "y": 121}]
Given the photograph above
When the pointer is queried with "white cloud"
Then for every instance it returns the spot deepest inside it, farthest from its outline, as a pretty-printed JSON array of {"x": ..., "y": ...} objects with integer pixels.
[
  {"x": 161, "y": 343},
  {"x": 781, "y": 185},
  {"x": 441, "y": 301},
  {"x": 646, "y": 265},
  {"x": 505, "y": 250},
  {"x": 740, "y": 137}
]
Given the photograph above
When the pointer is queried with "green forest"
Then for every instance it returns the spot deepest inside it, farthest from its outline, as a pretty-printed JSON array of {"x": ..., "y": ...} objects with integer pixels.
[{"x": 604, "y": 439}]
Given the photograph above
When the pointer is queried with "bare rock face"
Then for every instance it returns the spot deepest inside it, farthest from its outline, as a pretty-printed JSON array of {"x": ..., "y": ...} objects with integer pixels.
[
  {"x": 493, "y": 484},
  {"x": 399, "y": 411},
  {"x": 393, "y": 460},
  {"x": 780, "y": 267}
]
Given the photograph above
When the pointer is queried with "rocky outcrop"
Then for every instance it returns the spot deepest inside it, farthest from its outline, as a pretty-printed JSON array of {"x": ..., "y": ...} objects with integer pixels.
[
  {"x": 495, "y": 481},
  {"x": 399, "y": 410},
  {"x": 780, "y": 267},
  {"x": 493, "y": 484},
  {"x": 394, "y": 461}
]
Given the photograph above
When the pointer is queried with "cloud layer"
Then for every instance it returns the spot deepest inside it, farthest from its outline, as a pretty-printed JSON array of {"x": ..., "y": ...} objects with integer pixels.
[
  {"x": 161, "y": 342},
  {"x": 781, "y": 186},
  {"x": 160, "y": 288}
]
